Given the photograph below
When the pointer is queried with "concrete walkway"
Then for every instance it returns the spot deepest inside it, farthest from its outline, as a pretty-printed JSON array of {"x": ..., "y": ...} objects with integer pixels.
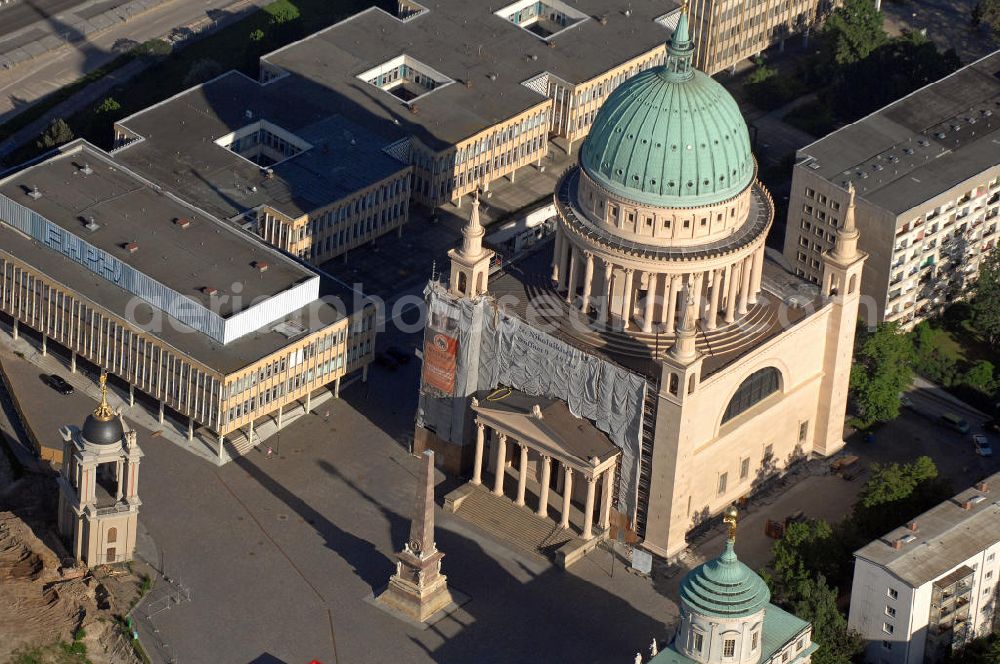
[{"x": 23, "y": 361}]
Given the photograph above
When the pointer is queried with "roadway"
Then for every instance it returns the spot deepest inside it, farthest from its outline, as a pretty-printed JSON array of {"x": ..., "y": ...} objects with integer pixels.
[
  {"x": 27, "y": 83},
  {"x": 22, "y": 13}
]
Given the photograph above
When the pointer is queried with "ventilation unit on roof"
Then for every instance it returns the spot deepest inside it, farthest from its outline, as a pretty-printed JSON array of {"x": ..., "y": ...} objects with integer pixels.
[
  {"x": 130, "y": 247},
  {"x": 182, "y": 222},
  {"x": 91, "y": 225},
  {"x": 86, "y": 169},
  {"x": 814, "y": 165},
  {"x": 260, "y": 266},
  {"x": 34, "y": 193}
]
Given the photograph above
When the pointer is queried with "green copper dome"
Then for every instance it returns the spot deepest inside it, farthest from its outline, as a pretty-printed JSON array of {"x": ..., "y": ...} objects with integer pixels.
[
  {"x": 725, "y": 588},
  {"x": 670, "y": 136}
]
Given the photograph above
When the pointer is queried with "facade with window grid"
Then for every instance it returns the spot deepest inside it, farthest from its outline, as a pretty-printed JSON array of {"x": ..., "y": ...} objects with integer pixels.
[
  {"x": 927, "y": 175},
  {"x": 929, "y": 587}
]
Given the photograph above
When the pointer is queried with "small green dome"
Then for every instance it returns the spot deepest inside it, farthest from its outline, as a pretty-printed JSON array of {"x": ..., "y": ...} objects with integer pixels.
[
  {"x": 725, "y": 588},
  {"x": 670, "y": 136}
]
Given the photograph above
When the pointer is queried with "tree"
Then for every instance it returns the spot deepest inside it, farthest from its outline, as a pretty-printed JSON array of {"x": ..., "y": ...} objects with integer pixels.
[
  {"x": 816, "y": 602},
  {"x": 57, "y": 133},
  {"x": 882, "y": 369},
  {"x": 203, "y": 70},
  {"x": 799, "y": 587},
  {"x": 257, "y": 35},
  {"x": 109, "y": 105},
  {"x": 852, "y": 32},
  {"x": 894, "y": 494},
  {"x": 986, "y": 305},
  {"x": 281, "y": 12},
  {"x": 989, "y": 13},
  {"x": 984, "y": 650},
  {"x": 980, "y": 376}
]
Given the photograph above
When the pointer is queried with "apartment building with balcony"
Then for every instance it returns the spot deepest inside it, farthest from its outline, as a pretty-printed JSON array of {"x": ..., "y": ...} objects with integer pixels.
[
  {"x": 926, "y": 170},
  {"x": 930, "y": 586}
]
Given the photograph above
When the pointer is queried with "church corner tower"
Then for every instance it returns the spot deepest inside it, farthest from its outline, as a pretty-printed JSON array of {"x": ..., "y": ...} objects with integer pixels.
[
  {"x": 842, "y": 273},
  {"x": 470, "y": 264},
  {"x": 98, "y": 487}
]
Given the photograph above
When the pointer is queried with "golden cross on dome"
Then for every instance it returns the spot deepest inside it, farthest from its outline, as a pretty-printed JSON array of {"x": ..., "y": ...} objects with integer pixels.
[{"x": 103, "y": 411}]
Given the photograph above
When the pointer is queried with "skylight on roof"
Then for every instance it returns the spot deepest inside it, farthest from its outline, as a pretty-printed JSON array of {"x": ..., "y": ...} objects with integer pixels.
[
  {"x": 262, "y": 142},
  {"x": 543, "y": 18},
  {"x": 405, "y": 78}
]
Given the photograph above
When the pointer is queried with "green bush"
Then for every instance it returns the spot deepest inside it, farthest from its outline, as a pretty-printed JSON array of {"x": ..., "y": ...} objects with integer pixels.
[
  {"x": 281, "y": 12},
  {"x": 109, "y": 105}
]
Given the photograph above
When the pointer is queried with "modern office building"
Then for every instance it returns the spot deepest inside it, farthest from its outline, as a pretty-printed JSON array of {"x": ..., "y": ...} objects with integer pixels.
[
  {"x": 342, "y": 130},
  {"x": 927, "y": 174},
  {"x": 729, "y": 31},
  {"x": 930, "y": 586},
  {"x": 654, "y": 365},
  {"x": 216, "y": 326}
]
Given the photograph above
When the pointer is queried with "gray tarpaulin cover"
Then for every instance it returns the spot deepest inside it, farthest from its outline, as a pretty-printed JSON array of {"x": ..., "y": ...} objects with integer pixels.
[{"x": 495, "y": 349}]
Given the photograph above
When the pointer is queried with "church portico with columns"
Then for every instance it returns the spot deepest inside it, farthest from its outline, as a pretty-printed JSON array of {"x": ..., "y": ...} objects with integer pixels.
[{"x": 547, "y": 461}]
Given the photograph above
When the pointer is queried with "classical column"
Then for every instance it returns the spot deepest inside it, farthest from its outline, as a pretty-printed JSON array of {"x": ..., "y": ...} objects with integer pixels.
[
  {"x": 72, "y": 362},
  {"x": 627, "y": 298},
  {"x": 522, "y": 475},
  {"x": 758, "y": 268},
  {"x": 588, "y": 277},
  {"x": 190, "y": 429},
  {"x": 501, "y": 462},
  {"x": 713, "y": 306},
  {"x": 606, "y": 289},
  {"x": 222, "y": 444},
  {"x": 699, "y": 281},
  {"x": 733, "y": 282},
  {"x": 336, "y": 387},
  {"x": 161, "y": 412},
  {"x": 131, "y": 395},
  {"x": 45, "y": 345},
  {"x": 557, "y": 256},
  {"x": 309, "y": 401},
  {"x": 477, "y": 464},
  {"x": 647, "y": 314},
  {"x": 281, "y": 410},
  {"x": 543, "y": 494},
  {"x": 250, "y": 433},
  {"x": 571, "y": 282},
  {"x": 606, "y": 491},
  {"x": 588, "y": 509},
  {"x": 563, "y": 258},
  {"x": 745, "y": 283},
  {"x": 13, "y": 330},
  {"x": 671, "y": 310},
  {"x": 119, "y": 475},
  {"x": 567, "y": 492}
]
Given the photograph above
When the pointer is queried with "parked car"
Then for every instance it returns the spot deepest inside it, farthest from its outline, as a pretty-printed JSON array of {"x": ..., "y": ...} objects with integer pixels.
[
  {"x": 905, "y": 401},
  {"x": 992, "y": 425},
  {"x": 398, "y": 354},
  {"x": 385, "y": 361},
  {"x": 982, "y": 445},
  {"x": 955, "y": 422},
  {"x": 58, "y": 384}
]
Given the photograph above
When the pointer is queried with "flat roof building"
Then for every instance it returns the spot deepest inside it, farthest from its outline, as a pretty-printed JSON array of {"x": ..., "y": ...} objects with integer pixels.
[
  {"x": 927, "y": 173},
  {"x": 209, "y": 321},
  {"x": 930, "y": 586}
]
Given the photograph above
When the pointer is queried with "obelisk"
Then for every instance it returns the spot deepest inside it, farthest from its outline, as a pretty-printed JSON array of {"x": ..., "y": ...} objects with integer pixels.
[{"x": 418, "y": 589}]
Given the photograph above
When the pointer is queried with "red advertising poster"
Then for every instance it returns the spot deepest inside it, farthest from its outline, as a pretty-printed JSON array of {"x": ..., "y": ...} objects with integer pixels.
[{"x": 439, "y": 362}]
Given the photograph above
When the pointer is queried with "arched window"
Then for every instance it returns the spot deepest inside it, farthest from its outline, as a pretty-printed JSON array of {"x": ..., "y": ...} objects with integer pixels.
[
  {"x": 852, "y": 284},
  {"x": 758, "y": 386},
  {"x": 112, "y": 535}
]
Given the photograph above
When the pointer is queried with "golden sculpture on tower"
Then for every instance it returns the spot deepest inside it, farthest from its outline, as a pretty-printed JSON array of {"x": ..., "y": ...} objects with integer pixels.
[
  {"x": 103, "y": 411},
  {"x": 730, "y": 517}
]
